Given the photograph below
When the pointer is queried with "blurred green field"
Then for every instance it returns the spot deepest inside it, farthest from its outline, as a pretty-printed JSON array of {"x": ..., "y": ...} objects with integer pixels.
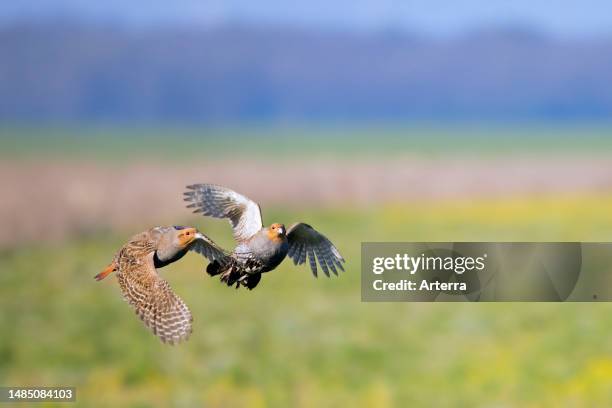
[
  {"x": 299, "y": 341},
  {"x": 340, "y": 142}
]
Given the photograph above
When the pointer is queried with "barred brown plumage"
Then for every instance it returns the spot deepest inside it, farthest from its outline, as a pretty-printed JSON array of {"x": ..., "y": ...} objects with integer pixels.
[
  {"x": 259, "y": 249},
  {"x": 151, "y": 297}
]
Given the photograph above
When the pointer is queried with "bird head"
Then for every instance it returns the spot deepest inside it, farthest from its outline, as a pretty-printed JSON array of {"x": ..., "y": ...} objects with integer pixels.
[
  {"x": 183, "y": 236},
  {"x": 276, "y": 231},
  {"x": 174, "y": 242}
]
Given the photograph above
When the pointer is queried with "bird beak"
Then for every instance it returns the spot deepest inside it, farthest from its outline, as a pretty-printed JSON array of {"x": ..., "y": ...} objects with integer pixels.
[
  {"x": 199, "y": 235},
  {"x": 281, "y": 231}
]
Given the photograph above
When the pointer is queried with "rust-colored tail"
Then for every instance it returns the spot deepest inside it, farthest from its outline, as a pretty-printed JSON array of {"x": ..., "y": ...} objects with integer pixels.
[{"x": 107, "y": 271}]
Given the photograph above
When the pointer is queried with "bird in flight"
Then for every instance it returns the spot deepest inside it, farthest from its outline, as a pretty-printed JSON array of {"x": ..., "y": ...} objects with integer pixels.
[
  {"x": 151, "y": 297},
  {"x": 259, "y": 249}
]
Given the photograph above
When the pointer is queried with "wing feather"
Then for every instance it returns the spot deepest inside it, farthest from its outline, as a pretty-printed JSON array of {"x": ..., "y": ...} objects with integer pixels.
[
  {"x": 302, "y": 257},
  {"x": 300, "y": 253},
  {"x": 305, "y": 243},
  {"x": 313, "y": 260},
  {"x": 208, "y": 248},
  {"x": 291, "y": 251},
  {"x": 322, "y": 259},
  {"x": 151, "y": 297},
  {"x": 328, "y": 259},
  {"x": 215, "y": 201}
]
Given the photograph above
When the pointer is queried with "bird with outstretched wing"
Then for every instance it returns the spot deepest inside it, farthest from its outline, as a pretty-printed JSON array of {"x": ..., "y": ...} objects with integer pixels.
[
  {"x": 259, "y": 249},
  {"x": 151, "y": 297}
]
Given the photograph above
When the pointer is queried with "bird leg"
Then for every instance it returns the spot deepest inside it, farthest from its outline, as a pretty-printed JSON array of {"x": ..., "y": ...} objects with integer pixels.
[{"x": 230, "y": 277}]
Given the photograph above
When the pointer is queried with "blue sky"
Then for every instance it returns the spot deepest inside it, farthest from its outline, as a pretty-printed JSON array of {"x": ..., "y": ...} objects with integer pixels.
[{"x": 441, "y": 17}]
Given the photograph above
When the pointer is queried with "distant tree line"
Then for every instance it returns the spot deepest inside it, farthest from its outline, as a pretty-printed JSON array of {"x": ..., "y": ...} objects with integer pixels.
[{"x": 72, "y": 72}]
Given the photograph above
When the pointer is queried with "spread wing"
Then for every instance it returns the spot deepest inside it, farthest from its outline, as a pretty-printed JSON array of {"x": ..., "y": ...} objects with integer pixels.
[
  {"x": 305, "y": 243},
  {"x": 207, "y": 248},
  {"x": 220, "y": 202},
  {"x": 151, "y": 297}
]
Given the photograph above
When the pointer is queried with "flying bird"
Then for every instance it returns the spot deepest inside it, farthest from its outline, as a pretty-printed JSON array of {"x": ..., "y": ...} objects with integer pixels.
[
  {"x": 151, "y": 297},
  {"x": 259, "y": 249}
]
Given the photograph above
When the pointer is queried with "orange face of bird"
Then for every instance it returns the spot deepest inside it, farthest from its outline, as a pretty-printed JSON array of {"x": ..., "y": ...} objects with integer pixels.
[
  {"x": 186, "y": 235},
  {"x": 276, "y": 231}
]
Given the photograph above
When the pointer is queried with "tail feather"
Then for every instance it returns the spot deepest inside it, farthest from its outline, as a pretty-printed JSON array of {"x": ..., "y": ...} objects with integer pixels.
[{"x": 107, "y": 271}]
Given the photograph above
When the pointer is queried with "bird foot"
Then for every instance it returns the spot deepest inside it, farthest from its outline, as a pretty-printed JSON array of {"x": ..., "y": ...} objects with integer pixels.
[{"x": 230, "y": 277}]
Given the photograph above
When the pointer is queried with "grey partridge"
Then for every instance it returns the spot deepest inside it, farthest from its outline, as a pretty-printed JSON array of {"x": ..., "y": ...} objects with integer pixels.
[
  {"x": 259, "y": 249},
  {"x": 151, "y": 297}
]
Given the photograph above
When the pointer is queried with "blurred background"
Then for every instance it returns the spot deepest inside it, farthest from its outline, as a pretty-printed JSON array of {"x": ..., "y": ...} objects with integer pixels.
[{"x": 372, "y": 121}]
